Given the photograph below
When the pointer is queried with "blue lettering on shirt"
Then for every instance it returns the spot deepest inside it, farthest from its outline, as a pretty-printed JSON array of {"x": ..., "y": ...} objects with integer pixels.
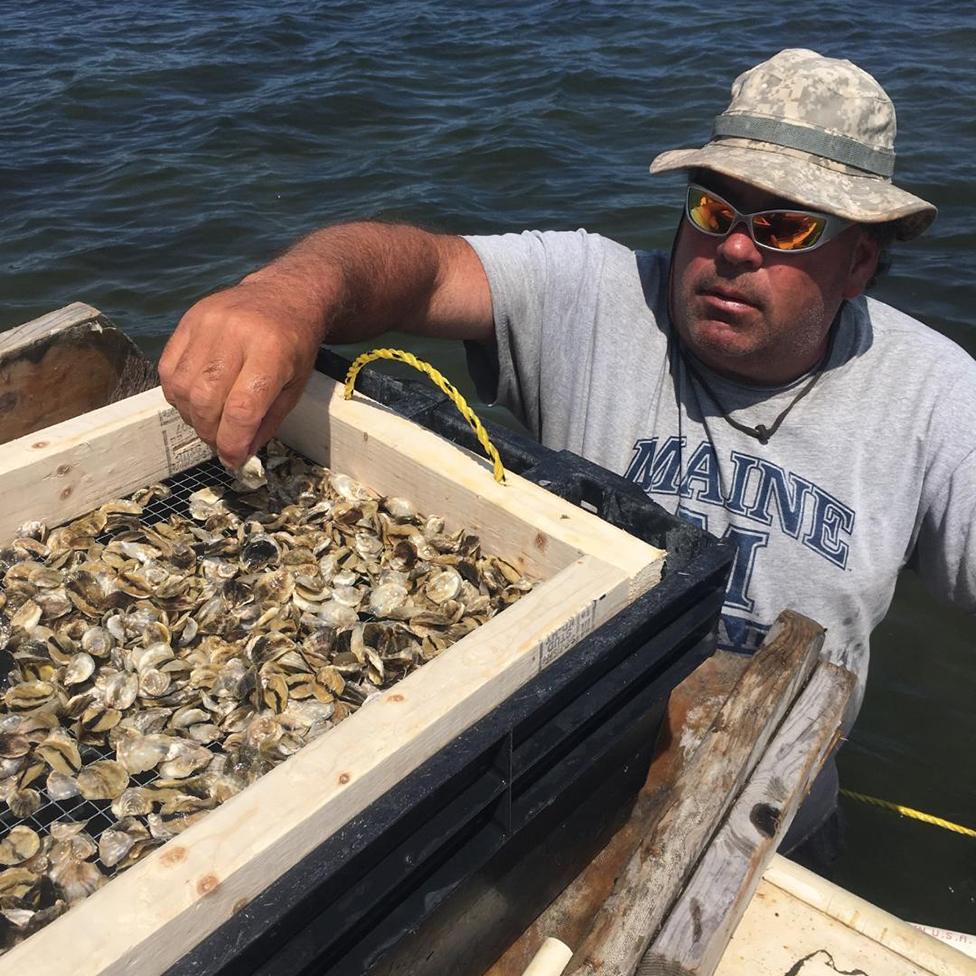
[
  {"x": 752, "y": 490},
  {"x": 657, "y": 471},
  {"x": 787, "y": 491},
  {"x": 739, "y": 635},
  {"x": 701, "y": 480}
]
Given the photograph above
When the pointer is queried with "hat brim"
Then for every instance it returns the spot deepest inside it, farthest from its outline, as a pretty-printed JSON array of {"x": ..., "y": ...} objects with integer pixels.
[{"x": 863, "y": 199}]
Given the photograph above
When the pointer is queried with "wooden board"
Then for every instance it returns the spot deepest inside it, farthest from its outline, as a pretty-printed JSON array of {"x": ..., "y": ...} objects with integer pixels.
[
  {"x": 800, "y": 924},
  {"x": 64, "y": 364},
  {"x": 656, "y": 873},
  {"x": 146, "y": 918},
  {"x": 66, "y": 470},
  {"x": 699, "y": 926}
]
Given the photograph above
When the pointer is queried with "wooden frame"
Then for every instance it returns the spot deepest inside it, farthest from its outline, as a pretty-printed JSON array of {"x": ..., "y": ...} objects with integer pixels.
[
  {"x": 148, "y": 917},
  {"x": 63, "y": 364}
]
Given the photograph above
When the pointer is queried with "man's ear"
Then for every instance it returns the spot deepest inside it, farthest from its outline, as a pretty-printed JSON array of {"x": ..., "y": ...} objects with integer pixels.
[{"x": 863, "y": 263}]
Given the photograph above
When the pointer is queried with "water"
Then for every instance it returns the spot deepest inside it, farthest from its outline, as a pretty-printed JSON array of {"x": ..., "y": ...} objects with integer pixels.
[{"x": 152, "y": 153}]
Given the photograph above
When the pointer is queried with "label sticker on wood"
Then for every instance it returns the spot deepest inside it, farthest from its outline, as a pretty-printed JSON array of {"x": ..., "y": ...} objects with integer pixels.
[
  {"x": 566, "y": 635},
  {"x": 183, "y": 447}
]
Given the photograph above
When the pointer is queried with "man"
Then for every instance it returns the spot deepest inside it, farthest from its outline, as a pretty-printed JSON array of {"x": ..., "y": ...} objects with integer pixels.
[{"x": 744, "y": 382}]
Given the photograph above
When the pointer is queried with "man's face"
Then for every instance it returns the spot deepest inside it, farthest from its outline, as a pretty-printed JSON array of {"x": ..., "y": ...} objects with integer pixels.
[{"x": 754, "y": 314}]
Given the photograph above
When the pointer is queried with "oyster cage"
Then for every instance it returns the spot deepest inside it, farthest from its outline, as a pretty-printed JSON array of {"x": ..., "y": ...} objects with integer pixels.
[
  {"x": 97, "y": 813},
  {"x": 439, "y": 872}
]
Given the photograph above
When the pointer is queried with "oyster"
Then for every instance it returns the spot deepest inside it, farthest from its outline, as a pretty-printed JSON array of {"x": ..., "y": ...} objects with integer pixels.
[
  {"x": 80, "y": 669},
  {"x": 104, "y": 779},
  {"x": 20, "y": 845},
  {"x": 250, "y": 475},
  {"x": 140, "y": 753},
  {"x": 134, "y": 801},
  {"x": 60, "y": 751},
  {"x": 13, "y": 746},
  {"x": 61, "y": 786},
  {"x": 24, "y": 802},
  {"x": 76, "y": 879},
  {"x": 115, "y": 844}
]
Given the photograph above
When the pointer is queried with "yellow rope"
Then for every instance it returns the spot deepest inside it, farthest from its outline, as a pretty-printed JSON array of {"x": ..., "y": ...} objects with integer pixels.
[
  {"x": 909, "y": 812},
  {"x": 469, "y": 415}
]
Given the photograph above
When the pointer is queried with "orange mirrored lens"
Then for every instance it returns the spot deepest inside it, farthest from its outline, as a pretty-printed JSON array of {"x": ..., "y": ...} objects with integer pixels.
[
  {"x": 711, "y": 215},
  {"x": 787, "y": 231}
]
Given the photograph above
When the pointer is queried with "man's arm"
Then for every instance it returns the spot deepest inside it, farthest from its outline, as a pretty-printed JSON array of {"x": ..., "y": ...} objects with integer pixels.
[{"x": 239, "y": 359}]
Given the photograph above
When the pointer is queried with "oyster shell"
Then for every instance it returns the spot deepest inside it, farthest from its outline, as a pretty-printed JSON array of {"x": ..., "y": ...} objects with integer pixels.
[
  {"x": 76, "y": 879},
  {"x": 24, "y": 802},
  {"x": 60, "y": 751},
  {"x": 61, "y": 786},
  {"x": 20, "y": 845},
  {"x": 103, "y": 779}
]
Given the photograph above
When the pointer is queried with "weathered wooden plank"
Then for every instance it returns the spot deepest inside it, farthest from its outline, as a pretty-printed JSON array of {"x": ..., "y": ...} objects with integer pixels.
[
  {"x": 702, "y": 921},
  {"x": 656, "y": 873},
  {"x": 45, "y": 326},
  {"x": 64, "y": 364},
  {"x": 781, "y": 933},
  {"x": 692, "y": 709}
]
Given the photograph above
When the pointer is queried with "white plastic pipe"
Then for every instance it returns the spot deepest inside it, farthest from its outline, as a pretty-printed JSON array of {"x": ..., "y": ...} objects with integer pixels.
[{"x": 551, "y": 959}]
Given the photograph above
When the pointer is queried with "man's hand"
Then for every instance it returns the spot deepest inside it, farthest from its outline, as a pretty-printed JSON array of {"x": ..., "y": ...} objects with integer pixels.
[{"x": 238, "y": 362}]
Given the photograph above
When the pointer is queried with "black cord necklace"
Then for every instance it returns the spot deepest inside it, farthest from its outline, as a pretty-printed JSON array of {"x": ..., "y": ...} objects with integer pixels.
[{"x": 761, "y": 432}]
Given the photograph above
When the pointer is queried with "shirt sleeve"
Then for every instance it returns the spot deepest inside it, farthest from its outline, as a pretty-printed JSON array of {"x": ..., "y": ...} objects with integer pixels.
[
  {"x": 536, "y": 279},
  {"x": 945, "y": 556},
  {"x": 945, "y": 551}
]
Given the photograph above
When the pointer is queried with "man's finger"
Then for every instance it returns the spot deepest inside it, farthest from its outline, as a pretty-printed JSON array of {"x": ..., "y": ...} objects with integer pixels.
[
  {"x": 251, "y": 397},
  {"x": 275, "y": 415},
  {"x": 200, "y": 364},
  {"x": 211, "y": 380},
  {"x": 169, "y": 360}
]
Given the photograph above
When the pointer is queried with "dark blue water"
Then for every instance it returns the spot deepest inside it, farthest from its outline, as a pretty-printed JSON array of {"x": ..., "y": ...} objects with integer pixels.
[{"x": 152, "y": 153}]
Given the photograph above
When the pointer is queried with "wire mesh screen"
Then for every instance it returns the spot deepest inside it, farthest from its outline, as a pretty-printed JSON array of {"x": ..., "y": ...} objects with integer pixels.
[
  {"x": 344, "y": 596},
  {"x": 208, "y": 474},
  {"x": 98, "y": 813}
]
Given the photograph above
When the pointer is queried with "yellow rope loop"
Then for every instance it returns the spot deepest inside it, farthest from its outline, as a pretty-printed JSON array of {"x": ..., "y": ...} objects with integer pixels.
[
  {"x": 437, "y": 378},
  {"x": 909, "y": 812}
]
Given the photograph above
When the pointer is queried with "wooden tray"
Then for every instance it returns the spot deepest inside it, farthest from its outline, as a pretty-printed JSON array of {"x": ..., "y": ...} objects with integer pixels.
[{"x": 145, "y": 919}]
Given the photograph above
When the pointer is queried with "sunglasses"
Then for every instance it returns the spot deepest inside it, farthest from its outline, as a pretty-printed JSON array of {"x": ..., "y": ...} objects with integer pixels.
[{"x": 774, "y": 230}]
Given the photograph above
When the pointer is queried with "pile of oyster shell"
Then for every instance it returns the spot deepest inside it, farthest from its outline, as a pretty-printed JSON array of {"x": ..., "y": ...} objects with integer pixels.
[{"x": 150, "y": 672}]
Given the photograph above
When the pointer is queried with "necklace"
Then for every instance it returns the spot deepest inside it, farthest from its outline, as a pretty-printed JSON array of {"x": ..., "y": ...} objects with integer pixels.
[{"x": 761, "y": 432}]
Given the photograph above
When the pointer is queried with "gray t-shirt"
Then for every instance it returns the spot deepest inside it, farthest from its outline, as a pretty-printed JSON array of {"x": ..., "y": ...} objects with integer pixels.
[{"x": 873, "y": 470}]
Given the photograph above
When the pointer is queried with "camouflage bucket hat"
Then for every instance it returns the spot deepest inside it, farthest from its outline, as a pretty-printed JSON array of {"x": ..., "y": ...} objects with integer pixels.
[{"x": 816, "y": 130}]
